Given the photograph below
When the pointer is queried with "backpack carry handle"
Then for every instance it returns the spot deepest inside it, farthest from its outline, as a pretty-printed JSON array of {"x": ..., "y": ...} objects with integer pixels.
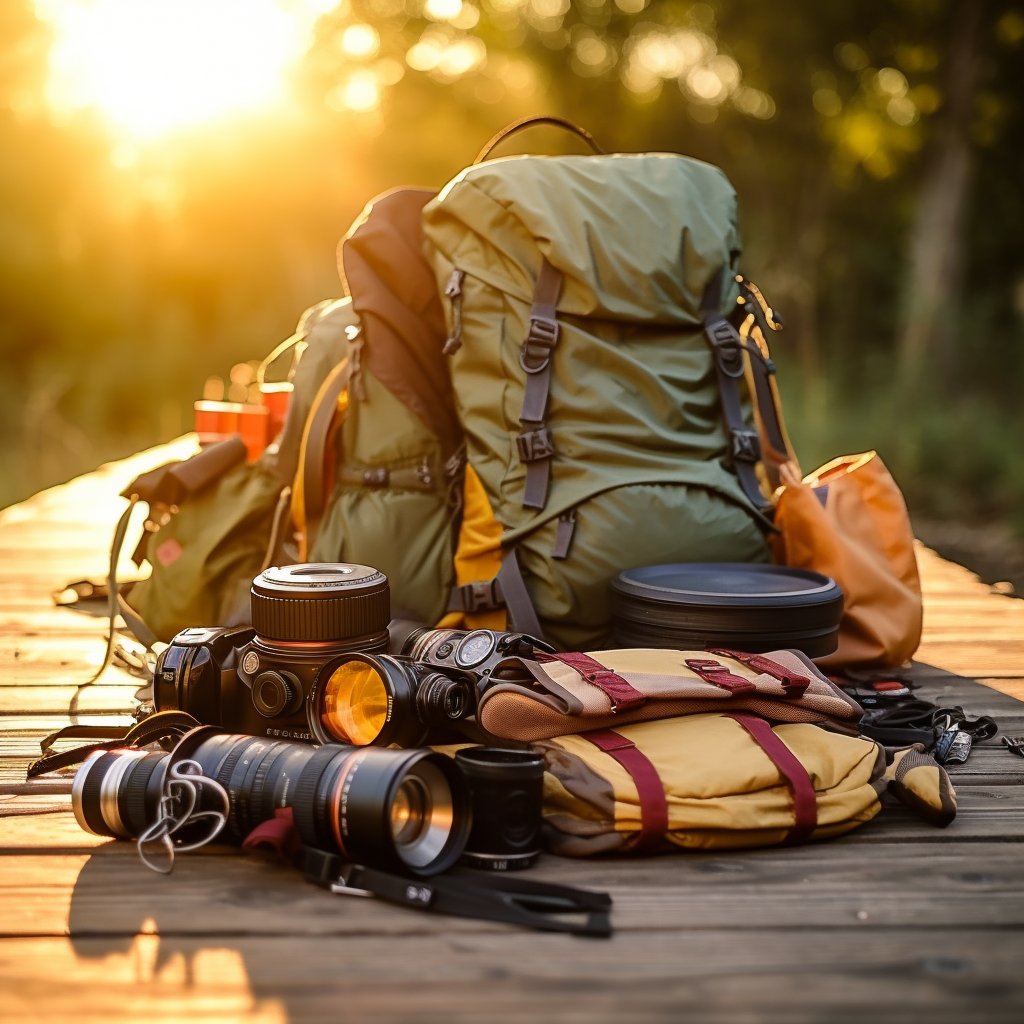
[{"x": 530, "y": 122}]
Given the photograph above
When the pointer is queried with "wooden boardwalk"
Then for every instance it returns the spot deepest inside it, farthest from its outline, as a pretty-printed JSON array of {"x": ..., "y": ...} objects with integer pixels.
[{"x": 897, "y": 921}]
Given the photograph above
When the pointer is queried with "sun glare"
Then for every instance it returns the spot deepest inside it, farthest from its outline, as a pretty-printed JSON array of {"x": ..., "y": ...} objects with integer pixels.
[{"x": 153, "y": 67}]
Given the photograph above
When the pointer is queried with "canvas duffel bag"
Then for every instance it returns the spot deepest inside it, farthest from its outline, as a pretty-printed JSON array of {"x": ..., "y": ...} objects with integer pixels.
[{"x": 724, "y": 781}]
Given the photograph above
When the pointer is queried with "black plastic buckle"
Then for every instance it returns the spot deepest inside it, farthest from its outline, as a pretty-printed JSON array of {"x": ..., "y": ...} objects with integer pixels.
[
  {"x": 482, "y": 596},
  {"x": 535, "y": 444},
  {"x": 746, "y": 446},
  {"x": 540, "y": 340},
  {"x": 727, "y": 346}
]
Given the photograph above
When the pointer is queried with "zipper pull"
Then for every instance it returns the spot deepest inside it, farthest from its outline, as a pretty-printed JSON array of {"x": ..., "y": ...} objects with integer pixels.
[{"x": 453, "y": 292}]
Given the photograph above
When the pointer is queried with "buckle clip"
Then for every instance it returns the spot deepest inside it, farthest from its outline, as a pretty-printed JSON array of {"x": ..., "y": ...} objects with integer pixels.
[
  {"x": 535, "y": 444},
  {"x": 727, "y": 346},
  {"x": 745, "y": 446},
  {"x": 482, "y": 596},
  {"x": 541, "y": 338}
]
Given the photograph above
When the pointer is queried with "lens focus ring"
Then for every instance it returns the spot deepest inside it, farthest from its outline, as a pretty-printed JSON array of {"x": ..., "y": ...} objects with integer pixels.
[{"x": 320, "y": 602}]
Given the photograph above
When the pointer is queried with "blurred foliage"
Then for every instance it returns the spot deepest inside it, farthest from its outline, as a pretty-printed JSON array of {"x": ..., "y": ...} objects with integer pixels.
[{"x": 876, "y": 150}]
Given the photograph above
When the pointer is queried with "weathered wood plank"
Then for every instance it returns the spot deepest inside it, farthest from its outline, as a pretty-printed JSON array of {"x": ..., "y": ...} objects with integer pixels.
[{"x": 948, "y": 975}]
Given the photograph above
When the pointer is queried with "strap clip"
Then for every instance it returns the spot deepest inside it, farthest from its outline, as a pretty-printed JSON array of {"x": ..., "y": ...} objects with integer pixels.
[
  {"x": 482, "y": 596},
  {"x": 535, "y": 444},
  {"x": 745, "y": 445},
  {"x": 540, "y": 340},
  {"x": 727, "y": 346}
]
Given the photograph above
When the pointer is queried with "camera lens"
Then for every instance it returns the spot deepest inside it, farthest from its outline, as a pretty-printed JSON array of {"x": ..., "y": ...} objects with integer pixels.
[
  {"x": 354, "y": 705},
  {"x": 507, "y": 790},
  {"x": 322, "y": 602},
  {"x": 402, "y": 810},
  {"x": 363, "y": 699},
  {"x": 116, "y": 792}
]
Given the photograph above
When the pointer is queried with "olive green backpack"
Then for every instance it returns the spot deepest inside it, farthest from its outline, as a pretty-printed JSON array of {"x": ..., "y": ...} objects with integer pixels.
[
  {"x": 581, "y": 296},
  {"x": 519, "y": 401},
  {"x": 367, "y": 466}
]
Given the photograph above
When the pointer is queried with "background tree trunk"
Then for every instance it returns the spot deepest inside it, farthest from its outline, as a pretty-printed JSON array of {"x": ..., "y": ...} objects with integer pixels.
[{"x": 937, "y": 246}]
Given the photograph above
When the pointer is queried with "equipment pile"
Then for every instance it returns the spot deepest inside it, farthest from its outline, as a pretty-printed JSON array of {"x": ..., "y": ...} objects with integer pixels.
[{"x": 543, "y": 421}]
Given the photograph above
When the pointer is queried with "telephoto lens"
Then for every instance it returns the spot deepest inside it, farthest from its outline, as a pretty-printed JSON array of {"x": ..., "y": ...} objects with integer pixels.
[
  {"x": 507, "y": 788},
  {"x": 379, "y": 699},
  {"x": 407, "y": 811}
]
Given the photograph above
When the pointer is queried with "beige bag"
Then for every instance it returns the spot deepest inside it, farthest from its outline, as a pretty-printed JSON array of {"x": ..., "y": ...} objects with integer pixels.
[
  {"x": 564, "y": 693},
  {"x": 724, "y": 781}
]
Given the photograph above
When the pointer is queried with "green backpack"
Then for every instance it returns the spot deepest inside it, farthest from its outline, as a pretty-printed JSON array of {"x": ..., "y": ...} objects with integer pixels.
[
  {"x": 366, "y": 469},
  {"x": 581, "y": 295},
  {"x": 501, "y": 455}
]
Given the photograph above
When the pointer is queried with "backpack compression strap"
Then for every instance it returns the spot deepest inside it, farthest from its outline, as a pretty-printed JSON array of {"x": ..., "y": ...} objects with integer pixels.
[{"x": 534, "y": 442}]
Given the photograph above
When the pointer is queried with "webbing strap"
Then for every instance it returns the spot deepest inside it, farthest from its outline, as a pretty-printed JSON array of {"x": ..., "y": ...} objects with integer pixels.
[
  {"x": 534, "y": 442},
  {"x": 793, "y": 683},
  {"x": 727, "y": 355},
  {"x": 717, "y": 674},
  {"x": 805, "y": 800},
  {"x": 650, "y": 790},
  {"x": 774, "y": 437},
  {"x": 522, "y": 616},
  {"x": 309, "y": 496},
  {"x": 544, "y": 906},
  {"x": 623, "y": 695},
  {"x": 160, "y": 726}
]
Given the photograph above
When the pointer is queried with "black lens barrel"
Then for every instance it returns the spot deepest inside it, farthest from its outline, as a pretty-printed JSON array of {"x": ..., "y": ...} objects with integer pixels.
[{"x": 343, "y": 799}]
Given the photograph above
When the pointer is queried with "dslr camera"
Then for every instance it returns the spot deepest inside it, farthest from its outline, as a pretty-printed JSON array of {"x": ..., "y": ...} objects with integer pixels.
[{"x": 314, "y": 665}]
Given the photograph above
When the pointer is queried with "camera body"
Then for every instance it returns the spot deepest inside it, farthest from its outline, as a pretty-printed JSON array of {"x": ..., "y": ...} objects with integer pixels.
[
  {"x": 314, "y": 665},
  {"x": 240, "y": 681}
]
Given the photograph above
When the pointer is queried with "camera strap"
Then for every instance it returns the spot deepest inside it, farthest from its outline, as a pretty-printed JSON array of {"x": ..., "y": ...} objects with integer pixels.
[
  {"x": 164, "y": 726},
  {"x": 542, "y": 906}
]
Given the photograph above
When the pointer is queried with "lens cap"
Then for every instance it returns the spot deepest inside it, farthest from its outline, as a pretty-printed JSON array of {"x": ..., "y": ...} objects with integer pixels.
[
  {"x": 752, "y": 607},
  {"x": 320, "y": 601}
]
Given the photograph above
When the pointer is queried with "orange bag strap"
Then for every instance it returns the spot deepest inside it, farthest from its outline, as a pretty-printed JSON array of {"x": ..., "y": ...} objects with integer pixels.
[
  {"x": 761, "y": 321},
  {"x": 309, "y": 492}
]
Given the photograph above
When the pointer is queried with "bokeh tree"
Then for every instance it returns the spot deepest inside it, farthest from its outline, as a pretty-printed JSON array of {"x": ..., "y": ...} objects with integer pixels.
[{"x": 875, "y": 149}]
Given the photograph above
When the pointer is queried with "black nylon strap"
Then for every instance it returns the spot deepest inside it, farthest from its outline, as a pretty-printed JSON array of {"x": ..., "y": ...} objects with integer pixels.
[
  {"x": 727, "y": 354},
  {"x": 153, "y": 728},
  {"x": 535, "y": 446},
  {"x": 536, "y": 905},
  {"x": 522, "y": 616}
]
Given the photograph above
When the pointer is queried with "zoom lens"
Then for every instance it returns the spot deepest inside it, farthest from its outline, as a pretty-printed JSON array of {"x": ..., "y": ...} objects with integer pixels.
[
  {"x": 402, "y": 810},
  {"x": 117, "y": 792},
  {"x": 364, "y": 699}
]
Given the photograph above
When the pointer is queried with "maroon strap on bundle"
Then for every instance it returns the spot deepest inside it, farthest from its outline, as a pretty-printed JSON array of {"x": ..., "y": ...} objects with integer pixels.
[
  {"x": 623, "y": 695},
  {"x": 717, "y": 674},
  {"x": 792, "y": 682},
  {"x": 650, "y": 790},
  {"x": 277, "y": 834},
  {"x": 805, "y": 800}
]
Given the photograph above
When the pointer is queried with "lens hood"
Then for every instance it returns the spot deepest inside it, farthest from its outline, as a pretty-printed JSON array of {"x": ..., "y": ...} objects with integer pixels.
[{"x": 318, "y": 602}]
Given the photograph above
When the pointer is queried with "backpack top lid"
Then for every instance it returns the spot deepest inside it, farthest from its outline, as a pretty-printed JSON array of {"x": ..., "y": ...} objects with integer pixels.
[{"x": 637, "y": 236}]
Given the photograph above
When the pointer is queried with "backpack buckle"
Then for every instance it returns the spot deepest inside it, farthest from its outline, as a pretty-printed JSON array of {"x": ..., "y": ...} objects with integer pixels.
[
  {"x": 727, "y": 346},
  {"x": 746, "y": 446},
  {"x": 482, "y": 596},
  {"x": 535, "y": 444},
  {"x": 540, "y": 340}
]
